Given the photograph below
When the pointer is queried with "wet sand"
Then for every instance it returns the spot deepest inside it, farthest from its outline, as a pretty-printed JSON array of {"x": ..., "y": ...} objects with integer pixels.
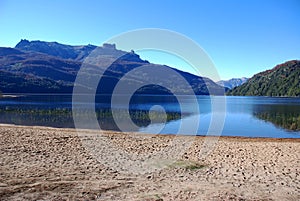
[{"x": 39, "y": 163}]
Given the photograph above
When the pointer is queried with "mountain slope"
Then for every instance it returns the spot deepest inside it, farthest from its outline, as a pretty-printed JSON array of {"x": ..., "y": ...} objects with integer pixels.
[
  {"x": 282, "y": 80},
  {"x": 56, "y": 49},
  {"x": 234, "y": 82},
  {"x": 50, "y": 67}
]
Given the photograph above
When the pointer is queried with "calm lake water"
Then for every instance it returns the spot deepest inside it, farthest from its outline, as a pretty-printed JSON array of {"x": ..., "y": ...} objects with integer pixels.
[{"x": 244, "y": 116}]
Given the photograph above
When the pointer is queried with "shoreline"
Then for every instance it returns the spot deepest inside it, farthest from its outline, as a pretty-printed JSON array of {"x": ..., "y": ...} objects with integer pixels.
[
  {"x": 225, "y": 95},
  {"x": 42, "y": 163},
  {"x": 242, "y": 138}
]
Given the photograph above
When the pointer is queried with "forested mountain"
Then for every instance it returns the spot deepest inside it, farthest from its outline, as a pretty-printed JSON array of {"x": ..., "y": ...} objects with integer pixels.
[
  {"x": 51, "y": 67},
  {"x": 282, "y": 80}
]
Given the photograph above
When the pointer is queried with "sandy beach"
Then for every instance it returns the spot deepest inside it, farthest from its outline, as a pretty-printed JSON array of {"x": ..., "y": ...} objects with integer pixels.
[{"x": 39, "y": 163}]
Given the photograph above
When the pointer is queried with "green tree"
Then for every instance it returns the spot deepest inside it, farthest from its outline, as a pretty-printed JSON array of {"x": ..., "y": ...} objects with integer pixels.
[{"x": 282, "y": 80}]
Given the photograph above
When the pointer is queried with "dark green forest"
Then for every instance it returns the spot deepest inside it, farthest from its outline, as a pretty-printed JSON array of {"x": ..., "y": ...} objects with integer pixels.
[{"x": 282, "y": 80}]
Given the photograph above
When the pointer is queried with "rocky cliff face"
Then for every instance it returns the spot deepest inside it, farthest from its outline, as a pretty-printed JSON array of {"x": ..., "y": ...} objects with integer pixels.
[{"x": 56, "y": 49}]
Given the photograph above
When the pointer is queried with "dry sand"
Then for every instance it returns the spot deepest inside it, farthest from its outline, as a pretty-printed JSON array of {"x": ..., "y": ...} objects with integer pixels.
[{"x": 38, "y": 163}]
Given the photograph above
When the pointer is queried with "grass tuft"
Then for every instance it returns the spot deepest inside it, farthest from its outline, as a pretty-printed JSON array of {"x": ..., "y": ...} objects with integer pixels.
[{"x": 188, "y": 165}]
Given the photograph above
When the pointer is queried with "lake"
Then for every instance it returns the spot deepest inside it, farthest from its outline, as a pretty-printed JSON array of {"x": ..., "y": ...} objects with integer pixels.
[{"x": 244, "y": 116}]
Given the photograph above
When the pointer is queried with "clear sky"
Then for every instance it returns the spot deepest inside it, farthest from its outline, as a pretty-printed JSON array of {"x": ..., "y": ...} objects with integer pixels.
[{"x": 242, "y": 37}]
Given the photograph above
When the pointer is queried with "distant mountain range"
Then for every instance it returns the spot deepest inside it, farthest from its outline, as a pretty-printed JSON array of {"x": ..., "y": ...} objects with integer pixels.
[
  {"x": 51, "y": 67},
  {"x": 234, "y": 82},
  {"x": 282, "y": 80}
]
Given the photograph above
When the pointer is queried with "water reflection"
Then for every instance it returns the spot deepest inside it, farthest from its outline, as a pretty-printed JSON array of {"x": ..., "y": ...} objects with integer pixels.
[
  {"x": 245, "y": 116},
  {"x": 284, "y": 116},
  {"x": 62, "y": 117}
]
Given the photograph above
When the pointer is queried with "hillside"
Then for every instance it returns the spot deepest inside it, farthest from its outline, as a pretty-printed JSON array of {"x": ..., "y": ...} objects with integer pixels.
[
  {"x": 62, "y": 51},
  {"x": 234, "y": 82},
  {"x": 51, "y": 67},
  {"x": 282, "y": 80}
]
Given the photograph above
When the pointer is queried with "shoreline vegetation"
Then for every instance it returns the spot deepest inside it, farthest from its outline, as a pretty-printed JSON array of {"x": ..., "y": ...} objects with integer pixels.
[{"x": 41, "y": 163}]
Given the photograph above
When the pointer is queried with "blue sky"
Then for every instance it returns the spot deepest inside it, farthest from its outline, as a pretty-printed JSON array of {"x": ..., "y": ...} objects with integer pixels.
[{"x": 241, "y": 37}]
